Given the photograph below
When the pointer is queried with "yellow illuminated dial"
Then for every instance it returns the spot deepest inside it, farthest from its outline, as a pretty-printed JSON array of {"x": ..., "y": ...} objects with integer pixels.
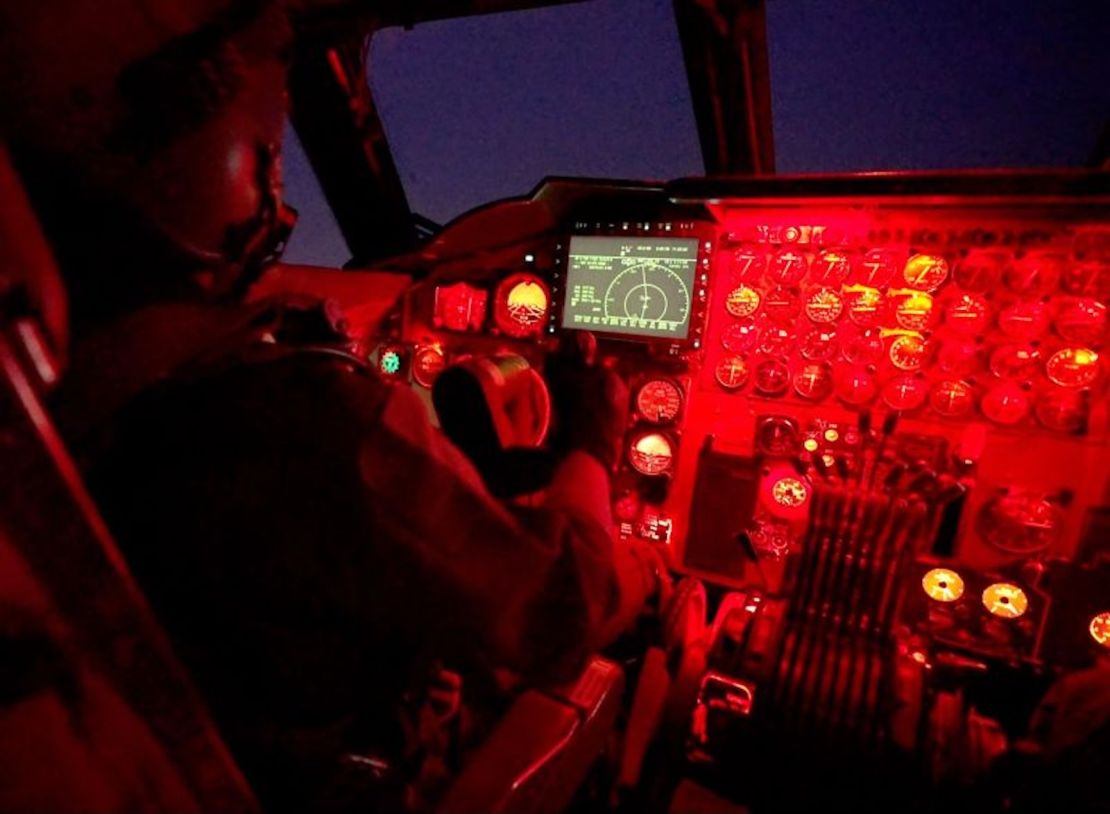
[
  {"x": 943, "y": 585},
  {"x": 789, "y": 492},
  {"x": 742, "y": 301},
  {"x": 925, "y": 271},
  {"x": 1100, "y": 628},
  {"x": 1005, "y": 600},
  {"x": 651, "y": 454}
]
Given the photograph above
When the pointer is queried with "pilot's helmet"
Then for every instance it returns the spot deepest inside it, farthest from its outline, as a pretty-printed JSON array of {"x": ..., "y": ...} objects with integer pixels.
[{"x": 148, "y": 137}]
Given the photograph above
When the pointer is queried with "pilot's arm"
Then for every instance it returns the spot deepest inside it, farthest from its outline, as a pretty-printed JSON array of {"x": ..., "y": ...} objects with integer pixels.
[{"x": 531, "y": 589}]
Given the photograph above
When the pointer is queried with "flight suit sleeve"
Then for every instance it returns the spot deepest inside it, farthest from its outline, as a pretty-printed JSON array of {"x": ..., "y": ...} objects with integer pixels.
[{"x": 532, "y": 589}]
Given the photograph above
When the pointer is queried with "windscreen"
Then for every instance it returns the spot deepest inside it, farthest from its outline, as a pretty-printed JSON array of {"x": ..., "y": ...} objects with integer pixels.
[{"x": 631, "y": 286}]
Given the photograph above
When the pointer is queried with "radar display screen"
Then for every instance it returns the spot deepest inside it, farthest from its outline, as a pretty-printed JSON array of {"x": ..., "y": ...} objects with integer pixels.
[{"x": 632, "y": 286}]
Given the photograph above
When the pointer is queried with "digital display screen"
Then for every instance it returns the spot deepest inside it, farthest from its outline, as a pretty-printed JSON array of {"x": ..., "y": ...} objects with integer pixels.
[{"x": 632, "y": 286}]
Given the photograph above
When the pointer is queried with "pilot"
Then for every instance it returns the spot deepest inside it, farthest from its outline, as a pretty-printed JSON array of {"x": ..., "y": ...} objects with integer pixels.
[{"x": 312, "y": 544}]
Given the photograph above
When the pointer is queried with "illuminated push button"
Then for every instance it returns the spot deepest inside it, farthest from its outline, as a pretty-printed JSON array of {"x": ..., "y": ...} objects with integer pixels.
[
  {"x": 814, "y": 381},
  {"x": 740, "y": 337},
  {"x": 925, "y": 272},
  {"x": 831, "y": 268},
  {"x": 772, "y": 377},
  {"x": 968, "y": 314},
  {"x": 905, "y": 393},
  {"x": 748, "y": 264},
  {"x": 1005, "y": 600},
  {"x": 908, "y": 352},
  {"x": 1006, "y": 404},
  {"x": 952, "y": 399},
  {"x": 1073, "y": 367},
  {"x": 914, "y": 312},
  {"x": 732, "y": 372},
  {"x": 742, "y": 301},
  {"x": 824, "y": 305},
  {"x": 811, "y": 445},
  {"x": 943, "y": 585},
  {"x": 788, "y": 267},
  {"x": 651, "y": 454},
  {"x": 1099, "y": 628}
]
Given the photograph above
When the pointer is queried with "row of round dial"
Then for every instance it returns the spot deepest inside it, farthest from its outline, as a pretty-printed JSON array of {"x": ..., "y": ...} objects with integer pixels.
[
  {"x": 1076, "y": 319},
  {"x": 1033, "y": 274},
  {"x": 1004, "y": 403}
]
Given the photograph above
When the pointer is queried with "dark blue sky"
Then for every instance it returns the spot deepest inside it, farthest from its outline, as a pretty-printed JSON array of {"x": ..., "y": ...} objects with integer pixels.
[{"x": 483, "y": 108}]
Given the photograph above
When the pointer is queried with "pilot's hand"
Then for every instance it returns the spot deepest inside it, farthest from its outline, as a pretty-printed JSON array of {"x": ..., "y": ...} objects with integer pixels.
[{"x": 589, "y": 401}]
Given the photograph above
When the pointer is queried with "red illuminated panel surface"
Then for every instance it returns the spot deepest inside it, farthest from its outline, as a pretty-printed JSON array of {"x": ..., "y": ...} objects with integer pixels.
[{"x": 948, "y": 312}]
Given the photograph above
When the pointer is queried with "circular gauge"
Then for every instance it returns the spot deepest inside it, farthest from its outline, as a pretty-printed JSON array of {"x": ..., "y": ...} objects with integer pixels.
[
  {"x": 877, "y": 267},
  {"x": 772, "y": 377},
  {"x": 520, "y": 305},
  {"x": 788, "y": 267},
  {"x": 742, "y": 301},
  {"x": 732, "y": 372},
  {"x": 391, "y": 361},
  {"x": 427, "y": 363},
  {"x": 777, "y": 436},
  {"x": 952, "y": 398},
  {"x": 1099, "y": 628},
  {"x": 814, "y": 381},
  {"x": 776, "y": 341},
  {"x": 819, "y": 345},
  {"x": 659, "y": 401},
  {"x": 967, "y": 314},
  {"x": 1019, "y": 523},
  {"x": 740, "y": 337},
  {"x": 1072, "y": 367},
  {"x": 980, "y": 270},
  {"x": 1017, "y": 362},
  {"x": 905, "y": 393},
  {"x": 1005, "y": 404},
  {"x": 789, "y": 492},
  {"x": 1024, "y": 320},
  {"x": 1035, "y": 274},
  {"x": 864, "y": 349},
  {"x": 865, "y": 305},
  {"x": 823, "y": 305},
  {"x": 943, "y": 585},
  {"x": 914, "y": 312},
  {"x": 651, "y": 454},
  {"x": 831, "y": 268},
  {"x": 1063, "y": 410},
  {"x": 1088, "y": 280},
  {"x": 925, "y": 272},
  {"x": 957, "y": 357},
  {"x": 1081, "y": 320},
  {"x": 782, "y": 304},
  {"x": 908, "y": 352},
  {"x": 748, "y": 264},
  {"x": 855, "y": 386},
  {"x": 1005, "y": 600}
]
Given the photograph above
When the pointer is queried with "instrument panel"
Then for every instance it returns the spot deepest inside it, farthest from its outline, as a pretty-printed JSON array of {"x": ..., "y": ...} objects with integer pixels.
[{"x": 766, "y": 328}]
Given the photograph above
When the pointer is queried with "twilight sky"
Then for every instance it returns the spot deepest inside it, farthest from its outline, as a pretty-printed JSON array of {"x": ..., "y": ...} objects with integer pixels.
[{"x": 484, "y": 108}]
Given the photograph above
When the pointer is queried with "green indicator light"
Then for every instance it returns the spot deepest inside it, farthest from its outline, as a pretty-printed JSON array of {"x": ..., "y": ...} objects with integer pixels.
[{"x": 390, "y": 362}]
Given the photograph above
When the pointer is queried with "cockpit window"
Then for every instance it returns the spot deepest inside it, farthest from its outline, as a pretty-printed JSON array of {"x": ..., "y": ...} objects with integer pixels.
[
  {"x": 483, "y": 108},
  {"x": 316, "y": 239}
]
